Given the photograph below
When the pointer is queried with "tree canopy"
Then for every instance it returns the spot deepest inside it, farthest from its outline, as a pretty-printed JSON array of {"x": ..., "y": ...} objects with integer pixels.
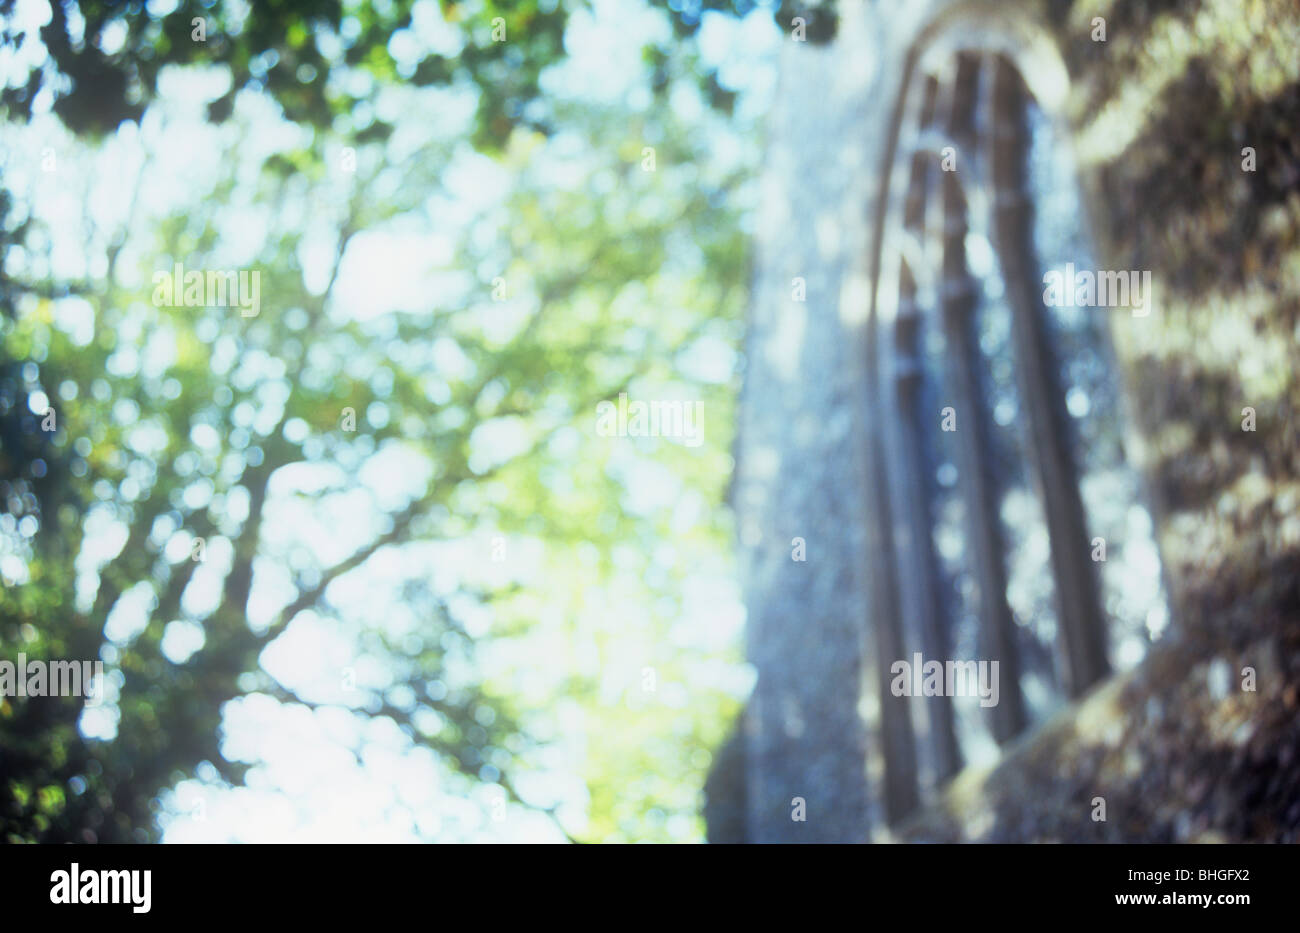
[{"x": 379, "y": 503}]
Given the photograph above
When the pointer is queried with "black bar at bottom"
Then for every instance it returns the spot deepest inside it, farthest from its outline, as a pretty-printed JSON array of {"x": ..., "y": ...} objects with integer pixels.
[{"x": 331, "y": 883}]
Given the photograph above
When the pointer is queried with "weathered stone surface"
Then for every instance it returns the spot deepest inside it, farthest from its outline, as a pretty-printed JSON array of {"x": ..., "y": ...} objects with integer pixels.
[
  {"x": 1159, "y": 114},
  {"x": 799, "y": 463},
  {"x": 1178, "y": 751}
]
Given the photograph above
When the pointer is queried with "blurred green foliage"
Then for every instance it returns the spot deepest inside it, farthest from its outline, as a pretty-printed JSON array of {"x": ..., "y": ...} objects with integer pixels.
[
  {"x": 107, "y": 56},
  {"x": 112, "y": 54},
  {"x": 175, "y": 424}
]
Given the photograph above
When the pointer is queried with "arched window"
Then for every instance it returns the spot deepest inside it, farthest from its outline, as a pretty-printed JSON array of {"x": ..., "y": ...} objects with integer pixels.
[{"x": 1013, "y": 525}]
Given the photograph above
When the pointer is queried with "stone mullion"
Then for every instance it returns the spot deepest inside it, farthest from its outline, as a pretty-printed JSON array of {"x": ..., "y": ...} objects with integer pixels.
[
  {"x": 1082, "y": 633},
  {"x": 919, "y": 575},
  {"x": 976, "y": 476}
]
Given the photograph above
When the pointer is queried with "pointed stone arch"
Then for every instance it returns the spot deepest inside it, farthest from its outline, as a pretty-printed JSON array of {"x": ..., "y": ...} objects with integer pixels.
[{"x": 962, "y": 106}]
